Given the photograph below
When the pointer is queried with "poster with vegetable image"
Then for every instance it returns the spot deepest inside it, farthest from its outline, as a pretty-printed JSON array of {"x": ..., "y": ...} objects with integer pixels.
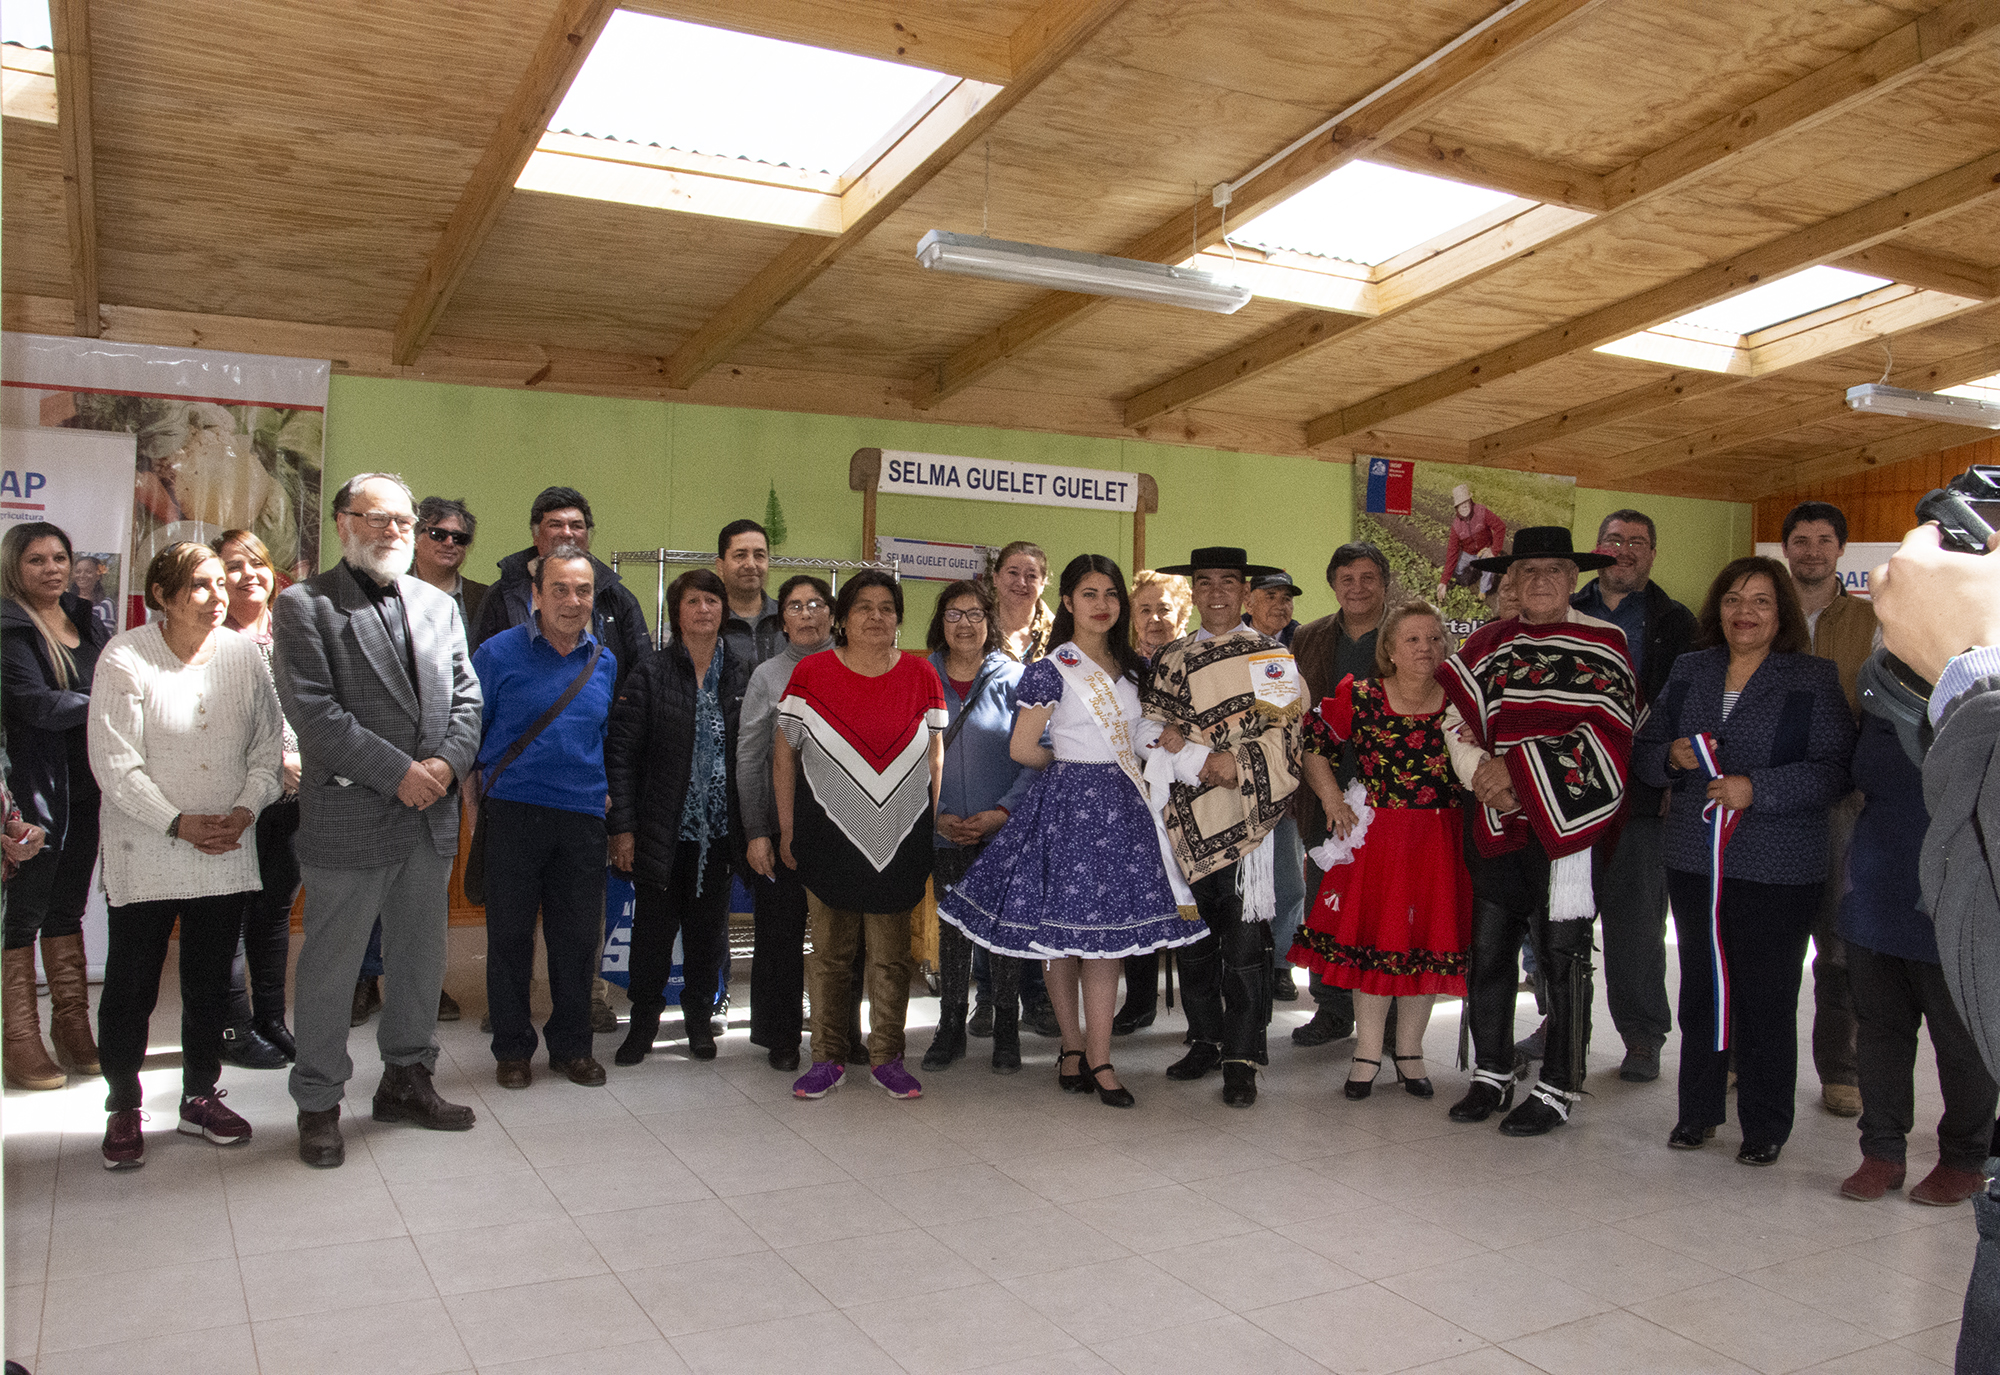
[
  {"x": 1433, "y": 521},
  {"x": 225, "y": 440}
]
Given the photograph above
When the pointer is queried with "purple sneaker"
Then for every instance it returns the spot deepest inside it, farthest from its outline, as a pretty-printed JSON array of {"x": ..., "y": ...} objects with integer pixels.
[
  {"x": 899, "y": 1082},
  {"x": 823, "y": 1078},
  {"x": 203, "y": 1115}
]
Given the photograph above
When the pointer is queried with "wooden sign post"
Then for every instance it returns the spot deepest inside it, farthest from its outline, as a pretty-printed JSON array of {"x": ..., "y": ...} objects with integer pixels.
[{"x": 864, "y": 475}]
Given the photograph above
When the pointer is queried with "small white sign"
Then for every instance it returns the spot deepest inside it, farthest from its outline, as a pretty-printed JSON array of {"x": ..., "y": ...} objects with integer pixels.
[
  {"x": 932, "y": 561},
  {"x": 991, "y": 479}
]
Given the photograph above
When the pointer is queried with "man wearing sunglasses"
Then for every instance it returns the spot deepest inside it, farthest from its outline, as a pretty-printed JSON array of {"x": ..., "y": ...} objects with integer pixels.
[{"x": 445, "y": 527}]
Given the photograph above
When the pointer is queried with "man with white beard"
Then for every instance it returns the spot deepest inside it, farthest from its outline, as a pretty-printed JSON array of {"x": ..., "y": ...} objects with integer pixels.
[{"x": 372, "y": 669}]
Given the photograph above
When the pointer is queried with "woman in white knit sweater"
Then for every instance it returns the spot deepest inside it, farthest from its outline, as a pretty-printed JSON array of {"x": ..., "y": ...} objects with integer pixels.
[{"x": 185, "y": 741}]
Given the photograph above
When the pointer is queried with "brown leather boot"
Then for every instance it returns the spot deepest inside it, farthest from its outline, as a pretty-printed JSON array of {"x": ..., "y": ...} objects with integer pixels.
[
  {"x": 24, "y": 1060},
  {"x": 69, "y": 1004},
  {"x": 407, "y": 1095}
]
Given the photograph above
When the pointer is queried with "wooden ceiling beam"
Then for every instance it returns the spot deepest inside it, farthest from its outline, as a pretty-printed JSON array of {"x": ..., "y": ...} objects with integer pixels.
[
  {"x": 1037, "y": 49},
  {"x": 1844, "y": 234},
  {"x": 69, "y": 32},
  {"x": 553, "y": 66},
  {"x": 1824, "y": 94},
  {"x": 889, "y": 30},
  {"x": 1644, "y": 399},
  {"x": 1495, "y": 169},
  {"x": 1735, "y": 434},
  {"x": 1931, "y": 271},
  {"x": 1390, "y": 111}
]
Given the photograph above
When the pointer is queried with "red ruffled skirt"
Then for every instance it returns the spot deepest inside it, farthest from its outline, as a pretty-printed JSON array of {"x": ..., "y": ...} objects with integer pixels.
[{"x": 1398, "y": 920}]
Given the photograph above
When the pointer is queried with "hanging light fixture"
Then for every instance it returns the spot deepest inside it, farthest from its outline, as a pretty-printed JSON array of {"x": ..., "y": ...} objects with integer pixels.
[
  {"x": 1877, "y": 399},
  {"x": 1095, "y": 274}
]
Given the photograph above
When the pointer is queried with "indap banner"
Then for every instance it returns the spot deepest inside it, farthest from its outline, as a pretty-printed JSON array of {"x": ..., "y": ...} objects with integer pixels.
[
  {"x": 81, "y": 481},
  {"x": 991, "y": 479}
]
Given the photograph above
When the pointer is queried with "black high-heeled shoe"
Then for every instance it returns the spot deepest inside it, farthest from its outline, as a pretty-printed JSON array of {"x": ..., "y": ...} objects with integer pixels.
[
  {"x": 1358, "y": 1089},
  {"x": 1120, "y": 1097},
  {"x": 1416, "y": 1088},
  {"x": 1072, "y": 1083}
]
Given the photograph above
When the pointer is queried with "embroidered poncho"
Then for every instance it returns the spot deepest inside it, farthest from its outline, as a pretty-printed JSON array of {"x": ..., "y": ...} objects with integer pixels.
[
  {"x": 1228, "y": 694},
  {"x": 1555, "y": 701},
  {"x": 861, "y": 824}
]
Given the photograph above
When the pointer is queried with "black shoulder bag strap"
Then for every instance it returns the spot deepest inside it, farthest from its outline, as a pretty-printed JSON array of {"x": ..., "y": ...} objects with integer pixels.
[
  {"x": 543, "y": 721},
  {"x": 972, "y": 695}
]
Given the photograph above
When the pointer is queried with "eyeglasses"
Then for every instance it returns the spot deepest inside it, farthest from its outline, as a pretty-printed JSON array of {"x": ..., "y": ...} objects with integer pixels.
[
  {"x": 1638, "y": 544},
  {"x": 457, "y": 537},
  {"x": 971, "y": 616},
  {"x": 805, "y": 608},
  {"x": 382, "y": 520}
]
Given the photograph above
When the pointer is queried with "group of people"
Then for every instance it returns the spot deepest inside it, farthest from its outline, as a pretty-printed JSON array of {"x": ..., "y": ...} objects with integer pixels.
[{"x": 1175, "y": 766}]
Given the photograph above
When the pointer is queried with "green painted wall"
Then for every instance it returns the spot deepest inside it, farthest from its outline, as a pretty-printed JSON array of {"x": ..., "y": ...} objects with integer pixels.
[{"x": 669, "y": 474}]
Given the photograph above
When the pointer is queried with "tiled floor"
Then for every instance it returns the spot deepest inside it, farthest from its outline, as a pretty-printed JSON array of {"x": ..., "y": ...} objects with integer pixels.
[{"x": 695, "y": 1217}]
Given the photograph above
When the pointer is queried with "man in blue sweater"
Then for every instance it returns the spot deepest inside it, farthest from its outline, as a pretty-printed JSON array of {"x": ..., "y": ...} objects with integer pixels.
[{"x": 544, "y": 804}]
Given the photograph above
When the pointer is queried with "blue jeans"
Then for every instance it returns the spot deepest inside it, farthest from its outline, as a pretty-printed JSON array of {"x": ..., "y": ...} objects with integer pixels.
[{"x": 1288, "y": 859}]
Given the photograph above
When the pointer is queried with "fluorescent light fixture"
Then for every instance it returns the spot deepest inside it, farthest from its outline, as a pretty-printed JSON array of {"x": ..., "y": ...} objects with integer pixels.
[
  {"x": 1877, "y": 399},
  {"x": 1095, "y": 274}
]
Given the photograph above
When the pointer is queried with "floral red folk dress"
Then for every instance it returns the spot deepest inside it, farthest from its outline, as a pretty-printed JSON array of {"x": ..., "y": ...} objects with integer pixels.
[{"x": 1398, "y": 920}]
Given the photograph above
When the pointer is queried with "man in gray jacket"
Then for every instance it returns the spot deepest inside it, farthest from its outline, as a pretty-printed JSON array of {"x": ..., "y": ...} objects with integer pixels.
[
  {"x": 1940, "y": 614},
  {"x": 372, "y": 669}
]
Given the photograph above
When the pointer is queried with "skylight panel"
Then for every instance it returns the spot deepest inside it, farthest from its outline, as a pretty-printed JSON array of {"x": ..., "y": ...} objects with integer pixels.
[
  {"x": 661, "y": 81},
  {"x": 26, "y": 22},
  {"x": 1984, "y": 389},
  {"x": 1785, "y": 299},
  {"x": 1367, "y": 213}
]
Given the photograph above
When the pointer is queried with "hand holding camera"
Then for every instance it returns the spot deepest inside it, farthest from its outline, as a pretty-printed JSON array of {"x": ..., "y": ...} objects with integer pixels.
[{"x": 1935, "y": 603}]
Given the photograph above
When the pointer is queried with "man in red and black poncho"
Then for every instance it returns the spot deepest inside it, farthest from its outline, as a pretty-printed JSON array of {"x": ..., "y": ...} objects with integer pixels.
[{"x": 1549, "y": 703}]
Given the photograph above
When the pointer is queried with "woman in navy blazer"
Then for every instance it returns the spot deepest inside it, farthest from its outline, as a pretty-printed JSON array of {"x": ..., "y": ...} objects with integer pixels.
[{"x": 1781, "y": 734}]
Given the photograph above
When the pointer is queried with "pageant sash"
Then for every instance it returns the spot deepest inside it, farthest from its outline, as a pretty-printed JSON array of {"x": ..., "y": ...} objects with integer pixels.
[
  {"x": 1094, "y": 688},
  {"x": 1721, "y": 825}
]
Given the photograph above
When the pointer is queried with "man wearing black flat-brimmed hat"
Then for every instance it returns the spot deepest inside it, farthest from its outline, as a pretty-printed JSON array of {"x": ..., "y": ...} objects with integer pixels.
[
  {"x": 1551, "y": 698},
  {"x": 1230, "y": 700}
]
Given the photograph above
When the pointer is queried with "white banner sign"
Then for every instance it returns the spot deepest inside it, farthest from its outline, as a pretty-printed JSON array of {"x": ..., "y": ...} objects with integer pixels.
[
  {"x": 1855, "y": 561},
  {"x": 991, "y": 479},
  {"x": 932, "y": 561},
  {"x": 80, "y": 480}
]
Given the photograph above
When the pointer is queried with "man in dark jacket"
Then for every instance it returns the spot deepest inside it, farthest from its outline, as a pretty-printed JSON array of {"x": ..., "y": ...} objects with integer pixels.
[
  {"x": 1940, "y": 614},
  {"x": 1627, "y": 871},
  {"x": 561, "y": 515}
]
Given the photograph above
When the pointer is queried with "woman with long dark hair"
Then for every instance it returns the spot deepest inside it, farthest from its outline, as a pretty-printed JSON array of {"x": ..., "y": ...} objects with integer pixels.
[
  {"x": 49, "y": 645},
  {"x": 1751, "y": 729},
  {"x": 1079, "y": 876}
]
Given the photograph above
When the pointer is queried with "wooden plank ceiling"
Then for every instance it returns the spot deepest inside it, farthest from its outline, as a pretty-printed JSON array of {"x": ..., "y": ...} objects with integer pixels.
[{"x": 336, "y": 179}]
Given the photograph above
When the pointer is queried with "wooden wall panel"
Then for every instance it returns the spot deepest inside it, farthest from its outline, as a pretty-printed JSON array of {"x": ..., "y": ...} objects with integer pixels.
[{"x": 1880, "y": 503}]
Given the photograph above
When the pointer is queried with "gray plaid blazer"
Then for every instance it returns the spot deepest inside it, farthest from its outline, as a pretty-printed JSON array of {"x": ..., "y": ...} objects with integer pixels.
[{"x": 360, "y": 726}]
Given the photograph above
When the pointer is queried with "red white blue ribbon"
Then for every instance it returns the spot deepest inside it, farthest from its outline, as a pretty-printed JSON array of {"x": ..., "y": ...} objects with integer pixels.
[{"x": 1721, "y": 825}]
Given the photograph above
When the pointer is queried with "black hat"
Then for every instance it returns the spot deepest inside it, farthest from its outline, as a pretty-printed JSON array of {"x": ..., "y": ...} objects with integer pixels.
[
  {"x": 1544, "y": 542},
  {"x": 1280, "y": 581},
  {"x": 1220, "y": 556}
]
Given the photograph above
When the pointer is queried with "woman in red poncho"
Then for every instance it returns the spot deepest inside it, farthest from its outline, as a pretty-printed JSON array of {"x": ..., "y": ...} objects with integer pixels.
[{"x": 1396, "y": 921}]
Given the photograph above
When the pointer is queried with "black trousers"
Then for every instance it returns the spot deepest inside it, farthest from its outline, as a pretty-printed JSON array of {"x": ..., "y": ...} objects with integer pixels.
[
  {"x": 1892, "y": 997},
  {"x": 140, "y": 932},
  {"x": 778, "y": 961},
  {"x": 701, "y": 920},
  {"x": 548, "y": 860},
  {"x": 47, "y": 895},
  {"x": 1226, "y": 975},
  {"x": 258, "y": 972},
  {"x": 1764, "y": 932},
  {"x": 1630, "y": 881},
  {"x": 1510, "y": 903}
]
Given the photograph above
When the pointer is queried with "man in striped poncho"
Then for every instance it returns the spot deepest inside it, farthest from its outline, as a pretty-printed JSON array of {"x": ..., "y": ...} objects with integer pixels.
[{"x": 1550, "y": 700}]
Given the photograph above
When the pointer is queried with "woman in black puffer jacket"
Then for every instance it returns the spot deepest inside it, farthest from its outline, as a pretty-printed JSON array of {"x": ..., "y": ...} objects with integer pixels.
[{"x": 674, "y": 823}]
